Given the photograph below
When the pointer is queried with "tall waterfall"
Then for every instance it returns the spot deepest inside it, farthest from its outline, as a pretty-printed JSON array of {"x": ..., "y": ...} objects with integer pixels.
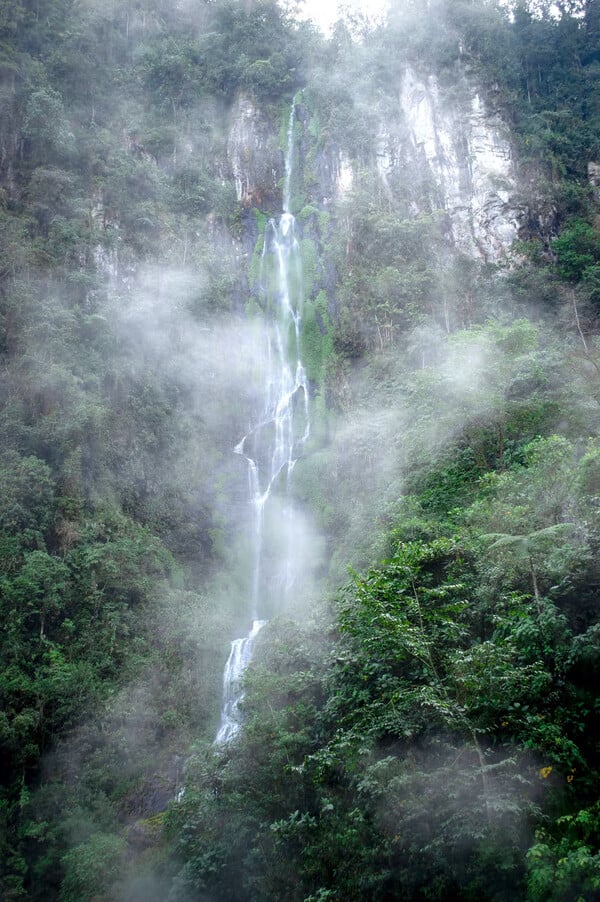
[{"x": 272, "y": 444}]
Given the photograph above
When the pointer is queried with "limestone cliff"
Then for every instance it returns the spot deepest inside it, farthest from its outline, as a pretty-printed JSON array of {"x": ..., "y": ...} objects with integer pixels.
[
  {"x": 444, "y": 150},
  {"x": 459, "y": 153},
  {"x": 254, "y": 159}
]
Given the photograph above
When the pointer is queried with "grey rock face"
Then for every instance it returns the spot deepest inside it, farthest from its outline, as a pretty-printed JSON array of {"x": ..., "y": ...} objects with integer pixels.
[
  {"x": 594, "y": 178},
  {"x": 460, "y": 153},
  {"x": 253, "y": 155}
]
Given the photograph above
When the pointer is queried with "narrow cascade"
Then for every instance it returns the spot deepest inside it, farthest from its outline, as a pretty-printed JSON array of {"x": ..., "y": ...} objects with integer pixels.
[
  {"x": 239, "y": 658},
  {"x": 273, "y": 444}
]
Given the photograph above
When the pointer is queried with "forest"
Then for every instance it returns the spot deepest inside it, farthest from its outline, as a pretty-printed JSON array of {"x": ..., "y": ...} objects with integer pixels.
[{"x": 420, "y": 717}]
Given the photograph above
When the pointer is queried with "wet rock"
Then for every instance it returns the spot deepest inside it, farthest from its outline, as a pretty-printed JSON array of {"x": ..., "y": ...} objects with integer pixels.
[
  {"x": 458, "y": 156},
  {"x": 253, "y": 155}
]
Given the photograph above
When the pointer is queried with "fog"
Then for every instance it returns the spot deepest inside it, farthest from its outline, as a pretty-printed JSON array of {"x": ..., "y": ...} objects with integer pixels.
[
  {"x": 266, "y": 392},
  {"x": 325, "y": 14}
]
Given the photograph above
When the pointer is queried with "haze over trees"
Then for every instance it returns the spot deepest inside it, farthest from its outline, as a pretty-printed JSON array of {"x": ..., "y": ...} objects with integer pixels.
[{"x": 421, "y": 714}]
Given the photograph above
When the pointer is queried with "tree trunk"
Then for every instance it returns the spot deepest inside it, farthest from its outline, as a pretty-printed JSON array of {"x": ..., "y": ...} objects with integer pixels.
[
  {"x": 577, "y": 322},
  {"x": 536, "y": 591}
]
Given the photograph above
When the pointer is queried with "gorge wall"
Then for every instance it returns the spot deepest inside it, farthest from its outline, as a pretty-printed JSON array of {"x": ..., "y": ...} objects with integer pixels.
[{"x": 443, "y": 146}]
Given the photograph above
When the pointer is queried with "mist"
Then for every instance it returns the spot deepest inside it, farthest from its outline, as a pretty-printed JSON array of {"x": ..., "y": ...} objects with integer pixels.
[{"x": 300, "y": 428}]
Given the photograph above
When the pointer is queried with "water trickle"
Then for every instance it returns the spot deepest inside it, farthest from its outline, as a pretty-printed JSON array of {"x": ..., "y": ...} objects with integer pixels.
[
  {"x": 289, "y": 159},
  {"x": 273, "y": 444},
  {"x": 239, "y": 658}
]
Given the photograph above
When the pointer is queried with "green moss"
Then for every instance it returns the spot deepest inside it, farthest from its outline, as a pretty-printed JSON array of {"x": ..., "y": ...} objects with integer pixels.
[
  {"x": 254, "y": 270},
  {"x": 314, "y": 127},
  {"x": 261, "y": 220},
  {"x": 324, "y": 218},
  {"x": 317, "y": 220},
  {"x": 316, "y": 340},
  {"x": 307, "y": 211},
  {"x": 154, "y": 821},
  {"x": 255, "y": 263},
  {"x": 309, "y": 264}
]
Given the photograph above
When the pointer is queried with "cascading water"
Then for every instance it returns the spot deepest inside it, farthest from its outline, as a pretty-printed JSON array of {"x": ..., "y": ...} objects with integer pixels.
[
  {"x": 272, "y": 446},
  {"x": 239, "y": 658}
]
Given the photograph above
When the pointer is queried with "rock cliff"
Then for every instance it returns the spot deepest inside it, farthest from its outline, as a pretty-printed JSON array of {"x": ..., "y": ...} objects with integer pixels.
[
  {"x": 253, "y": 155},
  {"x": 459, "y": 153}
]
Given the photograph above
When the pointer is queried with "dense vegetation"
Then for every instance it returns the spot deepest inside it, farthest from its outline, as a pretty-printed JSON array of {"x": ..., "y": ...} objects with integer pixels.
[{"x": 430, "y": 731}]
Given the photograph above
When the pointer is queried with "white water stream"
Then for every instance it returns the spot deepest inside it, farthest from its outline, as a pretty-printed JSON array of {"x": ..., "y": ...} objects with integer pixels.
[{"x": 272, "y": 445}]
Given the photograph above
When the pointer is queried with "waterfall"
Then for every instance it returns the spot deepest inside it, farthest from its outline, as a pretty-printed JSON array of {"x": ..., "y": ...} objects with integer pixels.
[
  {"x": 289, "y": 160},
  {"x": 239, "y": 658},
  {"x": 273, "y": 444}
]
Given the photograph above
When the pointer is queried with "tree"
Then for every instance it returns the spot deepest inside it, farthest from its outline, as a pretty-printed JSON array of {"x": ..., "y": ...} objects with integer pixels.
[
  {"x": 39, "y": 588},
  {"x": 92, "y": 867},
  {"x": 45, "y": 126},
  {"x": 577, "y": 251},
  {"x": 529, "y": 548}
]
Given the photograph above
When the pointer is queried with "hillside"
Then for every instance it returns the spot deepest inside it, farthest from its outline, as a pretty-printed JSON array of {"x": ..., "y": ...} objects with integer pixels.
[{"x": 299, "y": 329}]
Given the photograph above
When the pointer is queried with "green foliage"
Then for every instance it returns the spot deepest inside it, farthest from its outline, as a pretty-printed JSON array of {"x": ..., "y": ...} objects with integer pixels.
[
  {"x": 112, "y": 119},
  {"x": 415, "y": 768},
  {"x": 457, "y": 705},
  {"x": 577, "y": 251},
  {"x": 44, "y": 124},
  {"x": 171, "y": 71},
  {"x": 562, "y": 863},
  {"x": 26, "y": 499},
  {"x": 406, "y": 743},
  {"x": 316, "y": 340},
  {"x": 92, "y": 867},
  {"x": 386, "y": 276}
]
